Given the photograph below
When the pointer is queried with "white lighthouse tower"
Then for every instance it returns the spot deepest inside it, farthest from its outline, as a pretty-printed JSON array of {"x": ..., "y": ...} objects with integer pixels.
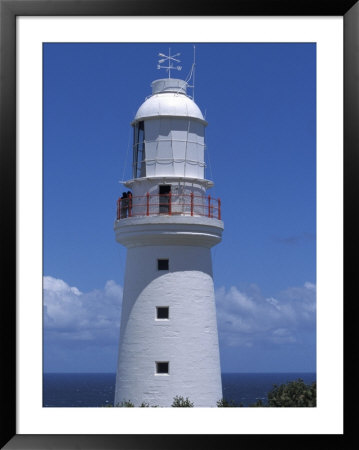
[{"x": 168, "y": 338}]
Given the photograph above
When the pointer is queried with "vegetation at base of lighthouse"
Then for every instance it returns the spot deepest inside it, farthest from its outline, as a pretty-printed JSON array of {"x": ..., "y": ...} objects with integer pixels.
[
  {"x": 295, "y": 393},
  {"x": 179, "y": 401},
  {"x": 291, "y": 394}
]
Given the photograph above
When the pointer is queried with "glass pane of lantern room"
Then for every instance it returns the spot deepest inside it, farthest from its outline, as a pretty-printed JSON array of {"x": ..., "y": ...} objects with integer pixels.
[
  {"x": 135, "y": 142},
  {"x": 139, "y": 151}
]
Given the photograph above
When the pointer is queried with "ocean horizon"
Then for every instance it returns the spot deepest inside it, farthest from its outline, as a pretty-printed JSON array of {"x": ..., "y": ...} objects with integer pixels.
[{"x": 97, "y": 389}]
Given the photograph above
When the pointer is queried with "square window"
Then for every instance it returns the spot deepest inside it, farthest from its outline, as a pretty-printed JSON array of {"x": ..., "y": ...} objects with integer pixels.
[
  {"x": 162, "y": 367},
  {"x": 162, "y": 264},
  {"x": 162, "y": 312}
]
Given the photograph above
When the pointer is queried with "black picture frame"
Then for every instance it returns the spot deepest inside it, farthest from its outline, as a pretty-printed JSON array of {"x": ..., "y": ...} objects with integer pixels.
[{"x": 9, "y": 10}]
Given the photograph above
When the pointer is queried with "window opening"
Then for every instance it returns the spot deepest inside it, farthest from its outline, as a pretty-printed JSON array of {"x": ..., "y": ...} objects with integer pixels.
[
  {"x": 162, "y": 264},
  {"x": 162, "y": 312},
  {"x": 162, "y": 367}
]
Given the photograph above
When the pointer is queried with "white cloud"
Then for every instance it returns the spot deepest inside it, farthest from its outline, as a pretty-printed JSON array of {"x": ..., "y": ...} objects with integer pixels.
[
  {"x": 251, "y": 319},
  {"x": 309, "y": 285},
  {"x": 274, "y": 302},
  {"x": 245, "y": 319},
  {"x": 71, "y": 316}
]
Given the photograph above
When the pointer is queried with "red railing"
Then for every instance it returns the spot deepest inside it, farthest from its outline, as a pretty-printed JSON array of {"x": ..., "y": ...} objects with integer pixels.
[{"x": 168, "y": 204}]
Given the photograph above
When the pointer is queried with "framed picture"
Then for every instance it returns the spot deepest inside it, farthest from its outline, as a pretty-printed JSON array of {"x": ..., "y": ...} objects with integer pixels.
[{"x": 28, "y": 32}]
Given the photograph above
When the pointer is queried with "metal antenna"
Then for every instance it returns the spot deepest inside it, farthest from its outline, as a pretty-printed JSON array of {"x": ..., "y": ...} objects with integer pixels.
[
  {"x": 194, "y": 68},
  {"x": 192, "y": 72},
  {"x": 169, "y": 59}
]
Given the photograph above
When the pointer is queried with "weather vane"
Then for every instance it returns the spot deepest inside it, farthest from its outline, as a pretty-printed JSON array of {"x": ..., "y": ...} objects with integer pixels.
[{"x": 169, "y": 59}]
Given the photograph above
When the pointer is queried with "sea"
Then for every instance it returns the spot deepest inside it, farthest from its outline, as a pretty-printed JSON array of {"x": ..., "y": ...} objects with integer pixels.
[{"x": 91, "y": 390}]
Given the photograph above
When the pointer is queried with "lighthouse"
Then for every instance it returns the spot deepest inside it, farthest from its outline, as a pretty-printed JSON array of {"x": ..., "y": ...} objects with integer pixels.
[{"x": 168, "y": 222}]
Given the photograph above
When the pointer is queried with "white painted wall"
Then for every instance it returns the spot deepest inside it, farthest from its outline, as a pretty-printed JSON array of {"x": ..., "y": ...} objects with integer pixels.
[{"x": 188, "y": 340}]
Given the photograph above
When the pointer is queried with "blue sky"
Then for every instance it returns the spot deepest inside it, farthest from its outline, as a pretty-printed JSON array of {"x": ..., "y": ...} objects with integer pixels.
[{"x": 260, "y": 103}]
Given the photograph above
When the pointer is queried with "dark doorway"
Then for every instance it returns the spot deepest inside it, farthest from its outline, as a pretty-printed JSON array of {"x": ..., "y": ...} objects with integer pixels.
[{"x": 165, "y": 199}]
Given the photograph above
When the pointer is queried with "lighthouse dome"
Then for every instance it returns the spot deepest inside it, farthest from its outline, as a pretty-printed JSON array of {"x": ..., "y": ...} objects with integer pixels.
[{"x": 169, "y": 98}]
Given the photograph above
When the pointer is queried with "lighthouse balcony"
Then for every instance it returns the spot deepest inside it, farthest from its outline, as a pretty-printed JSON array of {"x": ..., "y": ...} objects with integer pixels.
[{"x": 169, "y": 204}]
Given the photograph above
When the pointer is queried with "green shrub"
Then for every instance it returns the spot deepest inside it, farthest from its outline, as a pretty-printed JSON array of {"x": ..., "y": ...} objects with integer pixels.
[
  {"x": 144, "y": 405},
  {"x": 295, "y": 394},
  {"x": 179, "y": 401},
  {"x": 147, "y": 405},
  {"x": 125, "y": 404}
]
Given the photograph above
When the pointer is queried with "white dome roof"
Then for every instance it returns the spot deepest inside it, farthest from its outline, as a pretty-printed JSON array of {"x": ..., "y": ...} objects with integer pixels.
[{"x": 169, "y": 104}]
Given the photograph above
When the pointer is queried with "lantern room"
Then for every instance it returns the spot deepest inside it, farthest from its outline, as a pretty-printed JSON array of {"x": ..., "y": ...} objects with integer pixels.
[{"x": 169, "y": 133}]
